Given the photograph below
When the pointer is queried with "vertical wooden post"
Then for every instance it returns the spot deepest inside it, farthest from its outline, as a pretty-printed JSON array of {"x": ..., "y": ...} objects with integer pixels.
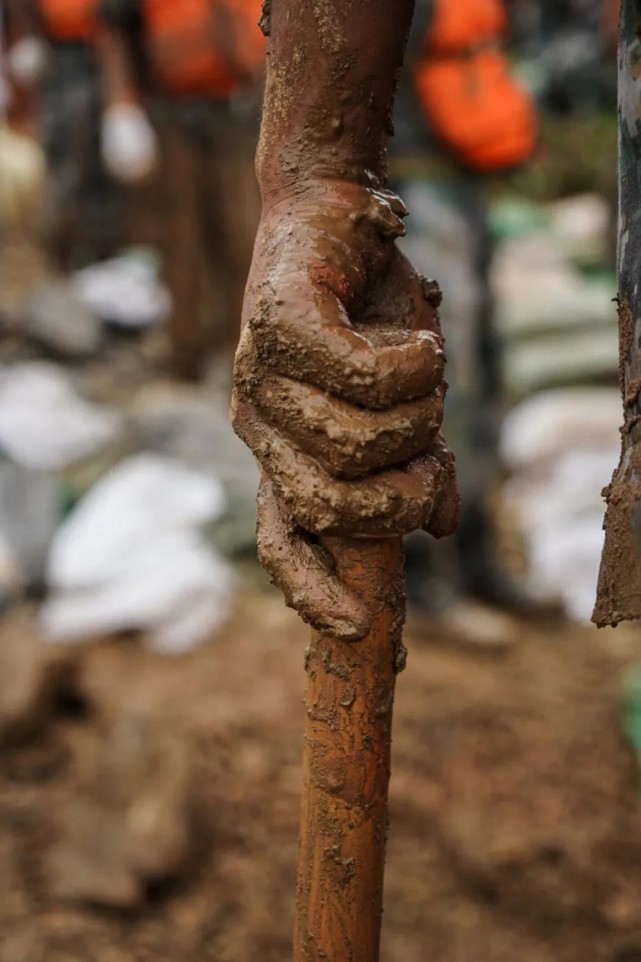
[
  {"x": 619, "y": 589},
  {"x": 350, "y": 694}
]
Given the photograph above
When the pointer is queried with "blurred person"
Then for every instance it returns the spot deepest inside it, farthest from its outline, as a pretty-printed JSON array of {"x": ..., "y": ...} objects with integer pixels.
[
  {"x": 53, "y": 51},
  {"x": 578, "y": 55},
  {"x": 460, "y": 120},
  {"x": 23, "y": 59},
  {"x": 578, "y": 39},
  {"x": 197, "y": 82}
]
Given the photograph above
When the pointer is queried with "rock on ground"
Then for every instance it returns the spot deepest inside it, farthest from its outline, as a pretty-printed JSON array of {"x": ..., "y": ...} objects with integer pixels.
[{"x": 130, "y": 823}]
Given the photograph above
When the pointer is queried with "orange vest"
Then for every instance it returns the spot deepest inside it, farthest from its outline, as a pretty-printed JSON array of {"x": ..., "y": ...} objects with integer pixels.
[
  {"x": 460, "y": 24},
  {"x": 204, "y": 47},
  {"x": 465, "y": 88},
  {"x": 68, "y": 19}
]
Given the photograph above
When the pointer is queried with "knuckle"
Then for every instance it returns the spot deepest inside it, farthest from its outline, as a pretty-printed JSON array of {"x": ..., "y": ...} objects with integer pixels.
[{"x": 318, "y": 514}]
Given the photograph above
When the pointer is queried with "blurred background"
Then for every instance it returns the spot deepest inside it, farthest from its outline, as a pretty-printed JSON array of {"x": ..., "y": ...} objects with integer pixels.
[{"x": 151, "y": 680}]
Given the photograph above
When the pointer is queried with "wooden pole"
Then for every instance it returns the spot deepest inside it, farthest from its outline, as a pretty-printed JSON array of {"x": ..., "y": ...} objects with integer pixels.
[
  {"x": 619, "y": 589},
  {"x": 346, "y": 766}
]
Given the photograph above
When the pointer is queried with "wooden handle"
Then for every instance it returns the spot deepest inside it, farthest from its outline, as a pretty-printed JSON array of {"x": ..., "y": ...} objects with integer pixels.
[{"x": 346, "y": 767}]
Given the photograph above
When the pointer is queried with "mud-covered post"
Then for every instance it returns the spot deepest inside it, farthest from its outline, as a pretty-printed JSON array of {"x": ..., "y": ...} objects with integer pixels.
[
  {"x": 339, "y": 394},
  {"x": 350, "y": 694},
  {"x": 619, "y": 588}
]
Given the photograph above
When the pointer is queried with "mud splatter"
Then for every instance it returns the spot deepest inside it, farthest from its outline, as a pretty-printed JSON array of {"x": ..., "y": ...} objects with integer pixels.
[{"x": 619, "y": 586}]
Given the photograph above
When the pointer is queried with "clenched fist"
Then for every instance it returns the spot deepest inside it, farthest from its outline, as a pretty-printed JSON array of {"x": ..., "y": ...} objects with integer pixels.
[{"x": 339, "y": 392}]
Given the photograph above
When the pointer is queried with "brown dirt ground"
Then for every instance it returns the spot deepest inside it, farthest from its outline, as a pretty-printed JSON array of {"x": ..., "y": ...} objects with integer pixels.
[{"x": 515, "y": 822}]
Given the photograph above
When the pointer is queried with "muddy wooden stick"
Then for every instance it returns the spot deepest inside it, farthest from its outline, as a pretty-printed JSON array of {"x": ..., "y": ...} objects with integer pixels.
[{"x": 350, "y": 694}]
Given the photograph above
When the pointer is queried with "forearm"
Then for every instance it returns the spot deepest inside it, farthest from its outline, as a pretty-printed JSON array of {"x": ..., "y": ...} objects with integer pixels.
[
  {"x": 331, "y": 78},
  {"x": 117, "y": 70}
]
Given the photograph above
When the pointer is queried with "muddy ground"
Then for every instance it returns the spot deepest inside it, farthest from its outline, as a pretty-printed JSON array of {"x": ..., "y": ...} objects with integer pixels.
[{"x": 148, "y": 807}]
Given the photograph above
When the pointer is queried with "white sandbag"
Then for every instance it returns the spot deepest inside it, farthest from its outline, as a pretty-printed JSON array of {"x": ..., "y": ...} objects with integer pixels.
[
  {"x": 552, "y": 422},
  {"x": 565, "y": 557},
  {"x": 562, "y": 447},
  {"x": 124, "y": 291},
  {"x": 135, "y": 504},
  {"x": 44, "y": 424},
  {"x": 173, "y": 587},
  {"x": 131, "y": 557},
  {"x": 581, "y": 223}
]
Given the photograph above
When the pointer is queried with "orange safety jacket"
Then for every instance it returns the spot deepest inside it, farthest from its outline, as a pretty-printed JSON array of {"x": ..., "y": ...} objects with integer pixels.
[
  {"x": 465, "y": 88},
  {"x": 68, "y": 19},
  {"x": 203, "y": 47}
]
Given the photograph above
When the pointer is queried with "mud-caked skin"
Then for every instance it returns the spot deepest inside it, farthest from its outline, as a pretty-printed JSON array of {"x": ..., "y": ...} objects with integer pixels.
[{"x": 339, "y": 391}]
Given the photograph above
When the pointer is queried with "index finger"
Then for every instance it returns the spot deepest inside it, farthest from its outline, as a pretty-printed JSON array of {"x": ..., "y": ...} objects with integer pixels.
[{"x": 303, "y": 331}]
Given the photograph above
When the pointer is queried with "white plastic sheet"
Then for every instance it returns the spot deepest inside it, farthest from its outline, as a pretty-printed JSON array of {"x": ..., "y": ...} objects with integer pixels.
[
  {"x": 44, "y": 424},
  {"x": 131, "y": 556}
]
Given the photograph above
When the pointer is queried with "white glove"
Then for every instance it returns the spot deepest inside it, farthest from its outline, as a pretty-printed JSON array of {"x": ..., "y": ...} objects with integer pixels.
[
  {"x": 26, "y": 61},
  {"x": 129, "y": 143}
]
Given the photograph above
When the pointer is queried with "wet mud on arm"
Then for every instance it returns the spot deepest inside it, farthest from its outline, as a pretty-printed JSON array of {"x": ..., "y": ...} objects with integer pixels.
[{"x": 332, "y": 76}]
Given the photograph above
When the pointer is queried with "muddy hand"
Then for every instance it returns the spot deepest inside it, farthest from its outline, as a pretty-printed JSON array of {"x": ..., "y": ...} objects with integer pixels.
[{"x": 339, "y": 392}]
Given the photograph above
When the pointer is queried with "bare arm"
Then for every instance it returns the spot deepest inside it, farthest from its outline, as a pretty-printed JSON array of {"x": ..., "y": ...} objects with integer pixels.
[
  {"x": 116, "y": 70},
  {"x": 333, "y": 69},
  {"x": 114, "y": 58},
  {"x": 339, "y": 373}
]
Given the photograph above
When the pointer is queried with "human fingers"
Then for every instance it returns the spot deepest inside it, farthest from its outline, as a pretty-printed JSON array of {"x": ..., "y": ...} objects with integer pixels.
[
  {"x": 390, "y": 502},
  {"x": 444, "y": 518},
  {"x": 348, "y": 441},
  {"x": 305, "y": 573},
  {"x": 302, "y": 330}
]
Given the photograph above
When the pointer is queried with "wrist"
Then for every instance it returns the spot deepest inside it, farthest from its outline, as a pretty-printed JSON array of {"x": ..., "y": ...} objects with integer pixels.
[
  {"x": 341, "y": 187},
  {"x": 285, "y": 165}
]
